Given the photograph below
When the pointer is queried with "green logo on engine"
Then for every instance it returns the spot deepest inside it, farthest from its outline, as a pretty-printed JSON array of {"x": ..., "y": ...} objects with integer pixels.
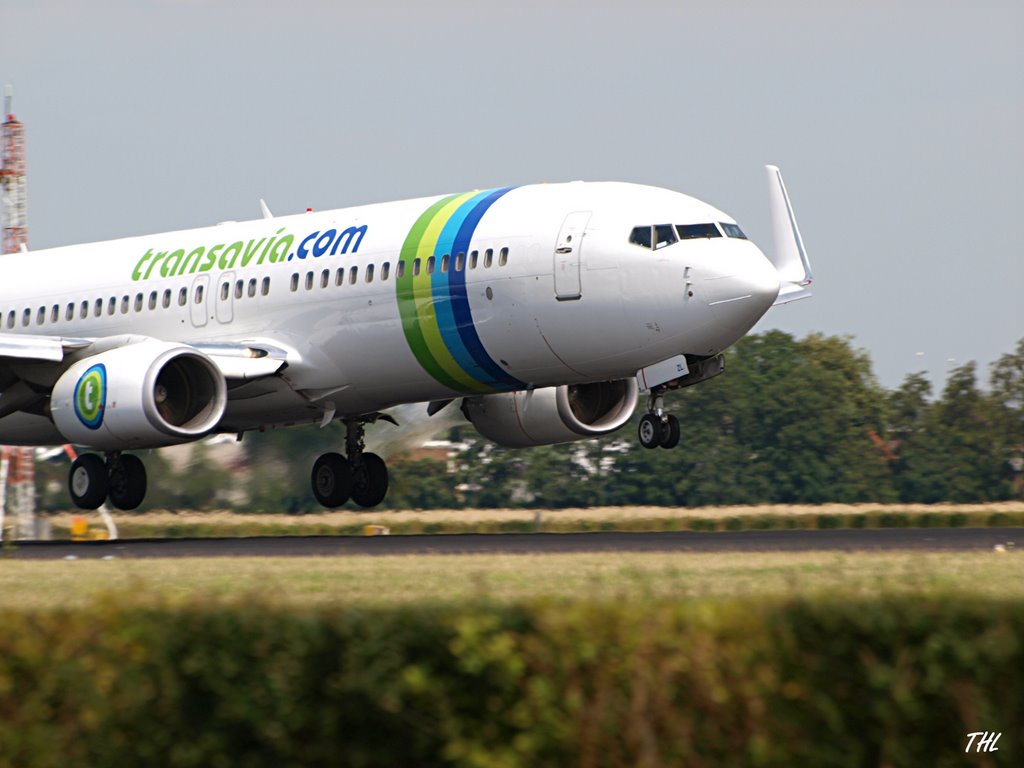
[{"x": 91, "y": 396}]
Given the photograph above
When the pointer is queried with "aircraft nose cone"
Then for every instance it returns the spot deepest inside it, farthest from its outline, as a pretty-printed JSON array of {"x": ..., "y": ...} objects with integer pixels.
[
  {"x": 745, "y": 286},
  {"x": 747, "y": 278},
  {"x": 760, "y": 280}
]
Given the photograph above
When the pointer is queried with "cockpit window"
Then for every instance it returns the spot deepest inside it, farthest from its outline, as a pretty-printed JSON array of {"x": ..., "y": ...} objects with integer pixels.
[
  {"x": 655, "y": 237},
  {"x": 641, "y": 236},
  {"x": 697, "y": 231},
  {"x": 660, "y": 235},
  {"x": 731, "y": 230},
  {"x": 664, "y": 234}
]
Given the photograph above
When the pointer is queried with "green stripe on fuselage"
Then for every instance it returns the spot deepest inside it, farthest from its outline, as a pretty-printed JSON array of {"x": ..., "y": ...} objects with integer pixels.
[
  {"x": 415, "y": 303},
  {"x": 424, "y": 296}
]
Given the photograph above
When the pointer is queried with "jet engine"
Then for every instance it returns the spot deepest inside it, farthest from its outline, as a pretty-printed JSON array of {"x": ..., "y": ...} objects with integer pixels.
[
  {"x": 143, "y": 395},
  {"x": 553, "y": 414}
]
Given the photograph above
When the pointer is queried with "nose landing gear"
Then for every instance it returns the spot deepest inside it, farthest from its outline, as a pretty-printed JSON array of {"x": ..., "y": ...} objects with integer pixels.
[
  {"x": 658, "y": 428},
  {"x": 363, "y": 477}
]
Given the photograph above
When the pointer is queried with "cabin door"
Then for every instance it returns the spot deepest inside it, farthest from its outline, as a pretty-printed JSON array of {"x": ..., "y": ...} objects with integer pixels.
[{"x": 569, "y": 256}]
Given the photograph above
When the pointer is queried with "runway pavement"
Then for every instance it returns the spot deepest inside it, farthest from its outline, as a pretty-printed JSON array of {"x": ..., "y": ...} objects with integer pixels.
[{"x": 839, "y": 540}]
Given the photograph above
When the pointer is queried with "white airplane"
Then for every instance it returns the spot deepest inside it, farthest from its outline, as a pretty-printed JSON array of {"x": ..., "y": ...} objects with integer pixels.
[{"x": 546, "y": 309}]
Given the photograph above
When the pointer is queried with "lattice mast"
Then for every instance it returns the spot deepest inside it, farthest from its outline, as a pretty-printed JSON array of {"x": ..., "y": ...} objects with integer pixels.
[
  {"x": 19, "y": 475},
  {"x": 12, "y": 177}
]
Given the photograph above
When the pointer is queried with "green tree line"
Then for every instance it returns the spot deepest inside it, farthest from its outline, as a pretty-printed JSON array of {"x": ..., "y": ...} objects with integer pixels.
[{"x": 790, "y": 421}]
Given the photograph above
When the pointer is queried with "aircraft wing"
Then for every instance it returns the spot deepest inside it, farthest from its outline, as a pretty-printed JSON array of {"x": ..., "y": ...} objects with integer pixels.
[
  {"x": 238, "y": 362},
  {"x": 16, "y": 346},
  {"x": 31, "y": 365}
]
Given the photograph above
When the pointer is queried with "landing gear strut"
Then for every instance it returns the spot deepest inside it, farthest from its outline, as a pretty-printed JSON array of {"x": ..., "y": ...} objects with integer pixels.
[
  {"x": 121, "y": 478},
  {"x": 363, "y": 477},
  {"x": 658, "y": 428}
]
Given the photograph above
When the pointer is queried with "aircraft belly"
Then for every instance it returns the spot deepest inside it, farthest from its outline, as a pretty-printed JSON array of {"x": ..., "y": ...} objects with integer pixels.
[
  {"x": 27, "y": 429},
  {"x": 269, "y": 408}
]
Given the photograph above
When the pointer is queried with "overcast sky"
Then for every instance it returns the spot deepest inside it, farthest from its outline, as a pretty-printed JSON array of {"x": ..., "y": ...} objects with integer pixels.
[{"x": 898, "y": 127}]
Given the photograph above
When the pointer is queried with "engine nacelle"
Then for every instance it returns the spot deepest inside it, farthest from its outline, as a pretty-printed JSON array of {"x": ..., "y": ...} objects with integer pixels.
[
  {"x": 553, "y": 414},
  {"x": 144, "y": 395}
]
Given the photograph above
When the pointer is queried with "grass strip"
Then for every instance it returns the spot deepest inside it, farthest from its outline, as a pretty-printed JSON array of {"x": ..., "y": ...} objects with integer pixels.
[
  {"x": 370, "y": 582},
  {"x": 805, "y": 517}
]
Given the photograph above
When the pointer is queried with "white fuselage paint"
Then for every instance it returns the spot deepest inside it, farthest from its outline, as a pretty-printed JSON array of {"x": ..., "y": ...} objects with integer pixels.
[{"x": 347, "y": 348}]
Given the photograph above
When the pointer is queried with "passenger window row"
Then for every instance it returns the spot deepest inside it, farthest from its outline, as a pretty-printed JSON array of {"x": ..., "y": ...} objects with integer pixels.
[
  {"x": 100, "y": 307},
  {"x": 350, "y": 275},
  {"x": 659, "y": 235},
  {"x": 240, "y": 289}
]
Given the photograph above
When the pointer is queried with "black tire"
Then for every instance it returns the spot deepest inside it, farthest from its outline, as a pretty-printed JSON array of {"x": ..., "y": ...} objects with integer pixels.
[
  {"x": 650, "y": 431},
  {"x": 332, "y": 480},
  {"x": 87, "y": 481},
  {"x": 670, "y": 438},
  {"x": 370, "y": 484},
  {"x": 127, "y": 482}
]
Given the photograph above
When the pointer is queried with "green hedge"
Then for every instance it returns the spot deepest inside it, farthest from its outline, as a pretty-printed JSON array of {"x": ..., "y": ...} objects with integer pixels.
[{"x": 892, "y": 681}]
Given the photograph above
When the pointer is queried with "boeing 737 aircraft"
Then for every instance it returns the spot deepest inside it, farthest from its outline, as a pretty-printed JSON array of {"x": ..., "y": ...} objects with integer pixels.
[{"x": 544, "y": 310}]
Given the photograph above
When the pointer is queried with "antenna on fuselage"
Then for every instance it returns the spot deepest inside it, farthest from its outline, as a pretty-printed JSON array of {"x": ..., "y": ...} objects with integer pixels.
[{"x": 265, "y": 210}]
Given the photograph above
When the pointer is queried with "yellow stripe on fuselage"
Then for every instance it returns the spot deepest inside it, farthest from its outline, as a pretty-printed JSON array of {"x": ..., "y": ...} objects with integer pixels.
[{"x": 422, "y": 291}]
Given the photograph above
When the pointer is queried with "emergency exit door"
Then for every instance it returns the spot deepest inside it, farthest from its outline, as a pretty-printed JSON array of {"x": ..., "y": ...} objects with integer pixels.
[
  {"x": 225, "y": 305},
  {"x": 198, "y": 300}
]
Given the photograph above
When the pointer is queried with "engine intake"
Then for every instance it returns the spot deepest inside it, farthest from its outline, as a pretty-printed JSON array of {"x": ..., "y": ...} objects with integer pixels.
[
  {"x": 553, "y": 414},
  {"x": 144, "y": 395}
]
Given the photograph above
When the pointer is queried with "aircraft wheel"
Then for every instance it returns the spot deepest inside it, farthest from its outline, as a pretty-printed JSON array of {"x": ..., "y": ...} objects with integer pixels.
[
  {"x": 87, "y": 481},
  {"x": 650, "y": 431},
  {"x": 670, "y": 435},
  {"x": 371, "y": 481},
  {"x": 332, "y": 480},
  {"x": 127, "y": 482}
]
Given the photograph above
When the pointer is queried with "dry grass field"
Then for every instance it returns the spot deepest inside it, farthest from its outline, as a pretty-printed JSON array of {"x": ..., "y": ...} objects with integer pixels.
[
  {"x": 158, "y": 524},
  {"x": 396, "y": 580}
]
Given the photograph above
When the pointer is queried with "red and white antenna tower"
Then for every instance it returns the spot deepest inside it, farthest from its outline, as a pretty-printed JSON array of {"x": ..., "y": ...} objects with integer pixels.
[
  {"x": 12, "y": 178},
  {"x": 18, "y": 464}
]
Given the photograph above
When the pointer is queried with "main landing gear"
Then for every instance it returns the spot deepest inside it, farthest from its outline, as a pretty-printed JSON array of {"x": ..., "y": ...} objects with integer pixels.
[
  {"x": 658, "y": 428},
  {"x": 362, "y": 477},
  {"x": 120, "y": 477}
]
